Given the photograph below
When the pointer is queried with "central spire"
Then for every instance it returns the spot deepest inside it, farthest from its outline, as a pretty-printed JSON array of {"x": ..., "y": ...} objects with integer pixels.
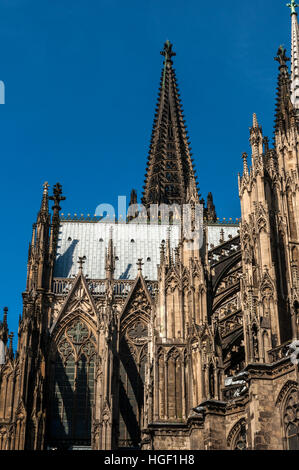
[{"x": 170, "y": 176}]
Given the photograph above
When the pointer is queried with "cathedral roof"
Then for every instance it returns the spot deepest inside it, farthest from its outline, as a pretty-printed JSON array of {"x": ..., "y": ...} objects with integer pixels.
[{"x": 131, "y": 241}]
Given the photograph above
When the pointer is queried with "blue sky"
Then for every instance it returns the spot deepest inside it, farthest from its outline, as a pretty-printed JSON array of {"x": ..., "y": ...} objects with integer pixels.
[{"x": 81, "y": 80}]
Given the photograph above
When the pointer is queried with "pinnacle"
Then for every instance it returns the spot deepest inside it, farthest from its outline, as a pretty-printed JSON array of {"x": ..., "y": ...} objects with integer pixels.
[{"x": 44, "y": 209}]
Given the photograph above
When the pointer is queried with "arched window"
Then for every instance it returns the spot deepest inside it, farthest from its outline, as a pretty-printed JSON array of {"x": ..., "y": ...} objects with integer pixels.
[
  {"x": 237, "y": 439},
  {"x": 133, "y": 358},
  {"x": 291, "y": 421},
  {"x": 72, "y": 388},
  {"x": 240, "y": 441}
]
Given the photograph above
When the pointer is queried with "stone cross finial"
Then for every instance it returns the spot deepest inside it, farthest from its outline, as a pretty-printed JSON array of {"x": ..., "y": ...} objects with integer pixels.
[
  {"x": 167, "y": 51},
  {"x": 168, "y": 54},
  {"x": 293, "y": 5},
  {"x": 81, "y": 262},
  {"x": 140, "y": 264},
  {"x": 57, "y": 196},
  {"x": 281, "y": 56}
]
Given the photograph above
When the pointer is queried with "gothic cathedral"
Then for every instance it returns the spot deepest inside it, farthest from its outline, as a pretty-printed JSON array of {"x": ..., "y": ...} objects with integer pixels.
[{"x": 129, "y": 340}]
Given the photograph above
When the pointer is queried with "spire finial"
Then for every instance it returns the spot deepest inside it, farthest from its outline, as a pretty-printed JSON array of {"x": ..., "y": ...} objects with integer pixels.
[
  {"x": 281, "y": 56},
  {"x": 44, "y": 210},
  {"x": 46, "y": 187},
  {"x": 293, "y": 5},
  {"x": 57, "y": 196},
  {"x": 140, "y": 264},
  {"x": 168, "y": 52},
  {"x": 254, "y": 121},
  {"x": 81, "y": 262}
]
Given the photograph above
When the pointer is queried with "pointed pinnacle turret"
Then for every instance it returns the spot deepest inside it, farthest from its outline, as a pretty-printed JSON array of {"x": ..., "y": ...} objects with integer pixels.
[
  {"x": 4, "y": 327},
  {"x": 133, "y": 198},
  {"x": 45, "y": 195},
  {"x": 110, "y": 258},
  {"x": 285, "y": 112},
  {"x": 210, "y": 211},
  {"x": 256, "y": 137},
  {"x": 170, "y": 176},
  {"x": 162, "y": 252},
  {"x": 255, "y": 123},
  {"x": 5, "y": 312},
  {"x": 43, "y": 214}
]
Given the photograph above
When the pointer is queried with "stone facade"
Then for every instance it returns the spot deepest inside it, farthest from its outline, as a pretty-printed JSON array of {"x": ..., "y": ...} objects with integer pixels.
[{"x": 194, "y": 355}]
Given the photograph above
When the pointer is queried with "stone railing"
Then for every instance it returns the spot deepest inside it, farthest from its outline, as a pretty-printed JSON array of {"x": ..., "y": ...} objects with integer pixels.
[
  {"x": 280, "y": 352},
  {"x": 62, "y": 286},
  {"x": 96, "y": 287},
  {"x": 121, "y": 287}
]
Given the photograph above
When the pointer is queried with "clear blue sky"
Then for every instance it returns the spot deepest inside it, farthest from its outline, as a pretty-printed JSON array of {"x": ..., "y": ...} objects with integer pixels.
[{"x": 81, "y": 81}]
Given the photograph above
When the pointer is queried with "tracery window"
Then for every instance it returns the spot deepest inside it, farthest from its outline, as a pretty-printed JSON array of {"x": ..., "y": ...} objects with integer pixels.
[
  {"x": 72, "y": 387},
  {"x": 240, "y": 441},
  {"x": 291, "y": 421},
  {"x": 133, "y": 358}
]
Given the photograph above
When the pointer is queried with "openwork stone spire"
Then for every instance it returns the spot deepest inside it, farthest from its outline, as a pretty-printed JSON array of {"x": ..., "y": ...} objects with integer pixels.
[{"x": 170, "y": 176}]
